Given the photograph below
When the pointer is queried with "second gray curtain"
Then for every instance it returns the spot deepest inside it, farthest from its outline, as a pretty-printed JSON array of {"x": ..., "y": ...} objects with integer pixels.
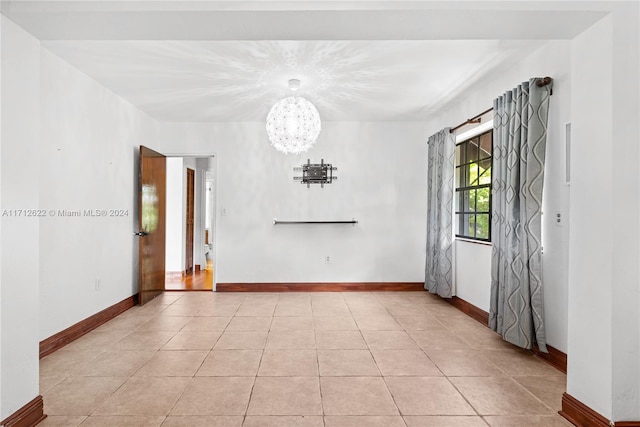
[
  {"x": 519, "y": 142},
  {"x": 440, "y": 187}
]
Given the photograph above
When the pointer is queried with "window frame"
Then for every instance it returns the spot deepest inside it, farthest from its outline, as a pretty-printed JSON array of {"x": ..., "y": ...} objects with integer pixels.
[{"x": 460, "y": 213}]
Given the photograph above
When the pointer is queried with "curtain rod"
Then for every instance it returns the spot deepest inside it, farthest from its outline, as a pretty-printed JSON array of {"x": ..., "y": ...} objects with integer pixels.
[{"x": 476, "y": 119}]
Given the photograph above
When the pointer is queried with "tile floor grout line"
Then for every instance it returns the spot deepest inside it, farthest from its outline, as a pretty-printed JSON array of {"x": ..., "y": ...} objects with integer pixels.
[
  {"x": 426, "y": 354},
  {"x": 255, "y": 378},
  {"x": 386, "y": 386},
  {"x": 463, "y": 396},
  {"x": 179, "y": 397},
  {"x": 482, "y": 417},
  {"x": 246, "y": 409},
  {"x": 530, "y": 393},
  {"x": 320, "y": 384}
]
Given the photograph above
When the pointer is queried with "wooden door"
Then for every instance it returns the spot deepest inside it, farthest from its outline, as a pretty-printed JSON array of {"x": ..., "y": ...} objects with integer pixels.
[
  {"x": 151, "y": 221},
  {"x": 189, "y": 217}
]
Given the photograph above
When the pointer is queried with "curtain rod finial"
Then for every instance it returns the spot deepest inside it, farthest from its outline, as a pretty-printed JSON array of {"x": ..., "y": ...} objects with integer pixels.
[{"x": 544, "y": 81}]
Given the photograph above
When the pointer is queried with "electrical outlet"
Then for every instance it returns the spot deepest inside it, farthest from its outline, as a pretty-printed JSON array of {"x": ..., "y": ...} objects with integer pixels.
[
  {"x": 558, "y": 218},
  {"x": 223, "y": 211},
  {"x": 327, "y": 259},
  {"x": 98, "y": 284}
]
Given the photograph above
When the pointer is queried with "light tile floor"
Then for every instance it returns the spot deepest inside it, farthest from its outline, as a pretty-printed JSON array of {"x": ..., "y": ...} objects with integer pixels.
[{"x": 382, "y": 359}]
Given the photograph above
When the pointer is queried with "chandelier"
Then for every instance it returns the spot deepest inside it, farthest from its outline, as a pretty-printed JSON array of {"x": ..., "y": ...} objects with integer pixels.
[{"x": 293, "y": 123}]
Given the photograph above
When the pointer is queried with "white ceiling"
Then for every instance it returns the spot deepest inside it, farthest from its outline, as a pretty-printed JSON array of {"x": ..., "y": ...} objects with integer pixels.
[
  {"x": 241, "y": 80},
  {"x": 231, "y": 60}
]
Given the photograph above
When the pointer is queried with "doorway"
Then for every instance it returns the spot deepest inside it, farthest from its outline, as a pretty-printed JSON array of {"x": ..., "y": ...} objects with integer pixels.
[{"x": 190, "y": 237}]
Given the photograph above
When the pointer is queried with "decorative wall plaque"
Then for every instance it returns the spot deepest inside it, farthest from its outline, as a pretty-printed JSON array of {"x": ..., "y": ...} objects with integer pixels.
[{"x": 316, "y": 173}]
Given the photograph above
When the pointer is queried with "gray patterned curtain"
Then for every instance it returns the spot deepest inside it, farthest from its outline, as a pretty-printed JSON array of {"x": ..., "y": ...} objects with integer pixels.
[
  {"x": 439, "y": 270},
  {"x": 519, "y": 142}
]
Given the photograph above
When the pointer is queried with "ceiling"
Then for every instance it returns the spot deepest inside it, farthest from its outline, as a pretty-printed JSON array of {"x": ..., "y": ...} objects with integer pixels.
[
  {"x": 358, "y": 60},
  {"x": 241, "y": 80}
]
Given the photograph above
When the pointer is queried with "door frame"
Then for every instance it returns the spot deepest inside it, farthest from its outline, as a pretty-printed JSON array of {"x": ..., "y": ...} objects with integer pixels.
[
  {"x": 190, "y": 216},
  {"x": 214, "y": 220}
]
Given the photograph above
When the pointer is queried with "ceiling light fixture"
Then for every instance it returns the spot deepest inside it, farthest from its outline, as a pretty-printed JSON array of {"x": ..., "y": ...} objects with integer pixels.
[{"x": 293, "y": 123}]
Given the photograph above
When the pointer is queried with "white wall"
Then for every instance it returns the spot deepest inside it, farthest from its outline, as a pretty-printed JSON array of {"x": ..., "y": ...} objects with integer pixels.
[
  {"x": 382, "y": 183},
  {"x": 210, "y": 198},
  {"x": 200, "y": 212},
  {"x": 604, "y": 323},
  {"x": 626, "y": 233},
  {"x": 89, "y": 140},
  {"x": 590, "y": 270},
  {"x": 551, "y": 59},
  {"x": 188, "y": 163},
  {"x": 1, "y": 410},
  {"x": 473, "y": 272},
  {"x": 19, "y": 254},
  {"x": 174, "y": 215}
]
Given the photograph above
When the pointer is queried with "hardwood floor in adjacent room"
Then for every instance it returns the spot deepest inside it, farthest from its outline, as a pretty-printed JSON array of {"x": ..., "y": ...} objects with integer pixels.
[
  {"x": 327, "y": 359},
  {"x": 201, "y": 280}
]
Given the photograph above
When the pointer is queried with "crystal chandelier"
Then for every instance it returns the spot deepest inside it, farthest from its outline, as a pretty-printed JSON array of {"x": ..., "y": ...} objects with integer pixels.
[{"x": 293, "y": 123}]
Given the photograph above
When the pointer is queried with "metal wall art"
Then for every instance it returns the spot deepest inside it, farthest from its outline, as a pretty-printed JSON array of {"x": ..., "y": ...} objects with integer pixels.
[{"x": 316, "y": 173}]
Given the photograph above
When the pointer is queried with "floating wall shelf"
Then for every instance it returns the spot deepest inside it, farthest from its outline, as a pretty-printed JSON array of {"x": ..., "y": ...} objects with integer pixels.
[{"x": 353, "y": 222}]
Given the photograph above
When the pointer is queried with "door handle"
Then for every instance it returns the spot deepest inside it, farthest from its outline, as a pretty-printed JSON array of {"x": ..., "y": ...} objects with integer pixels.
[{"x": 141, "y": 234}]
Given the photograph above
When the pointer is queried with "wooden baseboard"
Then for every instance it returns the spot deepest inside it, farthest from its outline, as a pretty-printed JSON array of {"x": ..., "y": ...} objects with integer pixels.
[
  {"x": 554, "y": 357},
  {"x": 28, "y": 416},
  {"x": 319, "y": 287},
  {"x": 580, "y": 414},
  {"x": 469, "y": 309},
  {"x": 62, "y": 338}
]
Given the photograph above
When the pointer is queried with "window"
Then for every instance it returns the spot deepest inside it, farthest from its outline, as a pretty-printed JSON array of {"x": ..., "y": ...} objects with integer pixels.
[{"x": 473, "y": 187}]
